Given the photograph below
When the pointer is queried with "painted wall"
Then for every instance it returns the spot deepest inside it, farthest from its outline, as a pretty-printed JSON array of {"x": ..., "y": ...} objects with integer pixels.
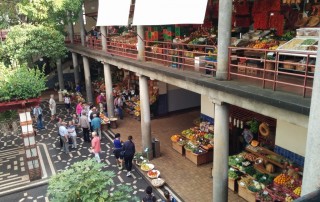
[
  {"x": 179, "y": 98},
  {"x": 207, "y": 107},
  {"x": 291, "y": 137}
]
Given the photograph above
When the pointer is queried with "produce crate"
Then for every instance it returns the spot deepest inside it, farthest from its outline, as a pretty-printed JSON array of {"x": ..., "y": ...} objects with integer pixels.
[
  {"x": 199, "y": 159},
  {"x": 252, "y": 71},
  {"x": 242, "y": 70},
  {"x": 232, "y": 184},
  {"x": 180, "y": 149},
  {"x": 246, "y": 194}
]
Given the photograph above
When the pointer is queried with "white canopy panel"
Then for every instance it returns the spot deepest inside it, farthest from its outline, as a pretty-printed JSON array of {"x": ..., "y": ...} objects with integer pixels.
[
  {"x": 164, "y": 12},
  {"x": 113, "y": 12}
]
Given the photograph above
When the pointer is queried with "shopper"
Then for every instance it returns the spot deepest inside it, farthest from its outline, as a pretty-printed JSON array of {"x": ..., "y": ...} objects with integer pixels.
[
  {"x": 76, "y": 122},
  {"x": 52, "y": 106},
  {"x": 149, "y": 197},
  {"x": 67, "y": 102},
  {"x": 84, "y": 123},
  {"x": 96, "y": 124},
  {"x": 117, "y": 144},
  {"x": 95, "y": 146},
  {"x": 72, "y": 133},
  {"x": 79, "y": 108},
  {"x": 37, "y": 112},
  {"x": 64, "y": 136},
  {"x": 129, "y": 150}
]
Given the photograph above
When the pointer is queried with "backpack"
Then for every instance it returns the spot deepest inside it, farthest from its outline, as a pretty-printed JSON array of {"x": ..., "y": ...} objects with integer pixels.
[{"x": 149, "y": 198}]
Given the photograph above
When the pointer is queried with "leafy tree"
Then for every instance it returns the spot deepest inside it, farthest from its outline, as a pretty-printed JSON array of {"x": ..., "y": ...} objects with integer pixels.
[
  {"x": 26, "y": 42},
  {"x": 20, "y": 83},
  {"x": 85, "y": 181}
]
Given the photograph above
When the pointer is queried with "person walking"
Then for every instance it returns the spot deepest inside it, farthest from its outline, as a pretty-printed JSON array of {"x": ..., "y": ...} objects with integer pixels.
[
  {"x": 73, "y": 134},
  {"x": 52, "y": 106},
  {"x": 117, "y": 144},
  {"x": 96, "y": 124},
  {"x": 64, "y": 136},
  {"x": 37, "y": 112},
  {"x": 95, "y": 146},
  {"x": 76, "y": 123},
  {"x": 129, "y": 150},
  {"x": 84, "y": 123}
]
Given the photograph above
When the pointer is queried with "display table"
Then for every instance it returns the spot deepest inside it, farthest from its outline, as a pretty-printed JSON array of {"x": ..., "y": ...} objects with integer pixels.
[
  {"x": 199, "y": 159},
  {"x": 246, "y": 194}
]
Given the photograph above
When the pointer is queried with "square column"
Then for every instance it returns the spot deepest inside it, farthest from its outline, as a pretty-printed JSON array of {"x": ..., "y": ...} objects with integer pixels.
[
  {"x": 108, "y": 85},
  {"x": 87, "y": 79}
]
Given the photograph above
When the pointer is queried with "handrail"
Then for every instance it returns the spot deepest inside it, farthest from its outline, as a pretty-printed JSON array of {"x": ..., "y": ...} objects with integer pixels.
[{"x": 261, "y": 70}]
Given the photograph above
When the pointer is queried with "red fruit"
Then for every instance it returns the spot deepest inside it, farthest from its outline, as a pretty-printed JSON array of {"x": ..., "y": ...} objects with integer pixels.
[{"x": 296, "y": 169}]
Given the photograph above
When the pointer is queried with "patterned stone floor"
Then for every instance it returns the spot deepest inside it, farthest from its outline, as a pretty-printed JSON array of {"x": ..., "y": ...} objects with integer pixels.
[{"x": 54, "y": 160}]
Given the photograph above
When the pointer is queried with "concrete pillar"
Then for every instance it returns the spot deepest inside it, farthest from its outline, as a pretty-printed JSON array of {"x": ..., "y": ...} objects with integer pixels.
[
  {"x": 60, "y": 74},
  {"x": 108, "y": 84},
  {"x": 82, "y": 30},
  {"x": 103, "y": 30},
  {"x": 145, "y": 116},
  {"x": 75, "y": 67},
  {"x": 87, "y": 79},
  {"x": 224, "y": 33},
  {"x": 311, "y": 175},
  {"x": 141, "y": 48},
  {"x": 221, "y": 152},
  {"x": 70, "y": 27}
]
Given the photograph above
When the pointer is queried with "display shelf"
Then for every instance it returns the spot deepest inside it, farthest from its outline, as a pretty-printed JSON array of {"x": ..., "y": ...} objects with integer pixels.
[
  {"x": 232, "y": 184},
  {"x": 261, "y": 152}
]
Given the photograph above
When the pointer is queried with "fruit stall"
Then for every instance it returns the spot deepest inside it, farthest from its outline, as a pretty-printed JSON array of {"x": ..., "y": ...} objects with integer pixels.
[
  {"x": 260, "y": 174},
  {"x": 196, "y": 143}
]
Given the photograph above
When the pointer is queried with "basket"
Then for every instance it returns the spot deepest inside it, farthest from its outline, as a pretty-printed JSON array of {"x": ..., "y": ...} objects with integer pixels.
[
  {"x": 302, "y": 21},
  {"x": 289, "y": 66},
  {"x": 313, "y": 21}
]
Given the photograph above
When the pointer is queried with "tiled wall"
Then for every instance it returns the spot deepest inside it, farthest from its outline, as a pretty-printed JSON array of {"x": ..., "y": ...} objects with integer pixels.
[
  {"x": 207, "y": 118},
  {"x": 296, "y": 158}
]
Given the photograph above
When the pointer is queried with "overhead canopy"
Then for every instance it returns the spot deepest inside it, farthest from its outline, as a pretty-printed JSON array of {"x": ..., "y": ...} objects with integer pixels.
[
  {"x": 113, "y": 12},
  {"x": 164, "y": 12}
]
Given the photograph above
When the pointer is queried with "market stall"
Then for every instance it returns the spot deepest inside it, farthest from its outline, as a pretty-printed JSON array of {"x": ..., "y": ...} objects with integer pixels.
[{"x": 195, "y": 143}]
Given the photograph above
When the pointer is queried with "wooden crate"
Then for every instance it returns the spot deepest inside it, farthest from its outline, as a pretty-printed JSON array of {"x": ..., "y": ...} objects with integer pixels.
[
  {"x": 199, "y": 159},
  {"x": 180, "y": 149},
  {"x": 232, "y": 184},
  {"x": 244, "y": 193},
  {"x": 252, "y": 71},
  {"x": 242, "y": 70}
]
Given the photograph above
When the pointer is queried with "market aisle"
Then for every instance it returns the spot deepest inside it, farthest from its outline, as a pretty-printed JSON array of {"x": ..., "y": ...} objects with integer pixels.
[{"x": 192, "y": 183}]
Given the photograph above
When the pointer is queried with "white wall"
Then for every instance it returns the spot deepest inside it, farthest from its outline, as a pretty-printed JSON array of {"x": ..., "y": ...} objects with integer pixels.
[
  {"x": 291, "y": 137},
  {"x": 179, "y": 98},
  {"x": 207, "y": 107}
]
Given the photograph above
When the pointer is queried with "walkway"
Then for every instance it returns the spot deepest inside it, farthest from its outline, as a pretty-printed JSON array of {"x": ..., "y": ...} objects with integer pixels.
[{"x": 13, "y": 171}]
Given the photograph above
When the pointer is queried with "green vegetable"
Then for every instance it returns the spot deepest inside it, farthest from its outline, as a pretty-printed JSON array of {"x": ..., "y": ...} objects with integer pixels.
[
  {"x": 250, "y": 170},
  {"x": 232, "y": 174}
]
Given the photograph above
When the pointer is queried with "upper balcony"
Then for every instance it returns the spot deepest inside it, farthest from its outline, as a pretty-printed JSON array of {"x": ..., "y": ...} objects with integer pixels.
[{"x": 277, "y": 70}]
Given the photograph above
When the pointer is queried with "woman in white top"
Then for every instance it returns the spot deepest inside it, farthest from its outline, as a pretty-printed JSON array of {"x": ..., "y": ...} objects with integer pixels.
[
  {"x": 52, "y": 106},
  {"x": 72, "y": 133}
]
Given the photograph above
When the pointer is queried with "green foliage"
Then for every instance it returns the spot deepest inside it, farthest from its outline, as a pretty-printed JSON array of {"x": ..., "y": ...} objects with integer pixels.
[
  {"x": 20, "y": 83},
  {"x": 254, "y": 126},
  {"x": 85, "y": 181},
  {"x": 8, "y": 13},
  {"x": 26, "y": 41}
]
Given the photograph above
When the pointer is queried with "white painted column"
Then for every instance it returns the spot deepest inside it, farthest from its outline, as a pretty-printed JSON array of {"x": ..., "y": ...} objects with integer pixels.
[
  {"x": 108, "y": 84},
  {"x": 82, "y": 30},
  {"x": 145, "y": 115},
  {"x": 221, "y": 153},
  {"x": 70, "y": 27},
  {"x": 75, "y": 67},
  {"x": 141, "y": 48},
  {"x": 60, "y": 74},
  {"x": 224, "y": 33},
  {"x": 311, "y": 174},
  {"x": 103, "y": 37},
  {"x": 87, "y": 79}
]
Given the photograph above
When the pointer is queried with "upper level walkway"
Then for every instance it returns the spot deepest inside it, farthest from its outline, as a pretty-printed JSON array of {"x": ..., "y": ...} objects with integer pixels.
[{"x": 276, "y": 104}]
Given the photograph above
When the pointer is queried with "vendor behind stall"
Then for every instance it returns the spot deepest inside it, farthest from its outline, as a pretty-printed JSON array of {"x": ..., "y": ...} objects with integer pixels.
[{"x": 247, "y": 135}]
